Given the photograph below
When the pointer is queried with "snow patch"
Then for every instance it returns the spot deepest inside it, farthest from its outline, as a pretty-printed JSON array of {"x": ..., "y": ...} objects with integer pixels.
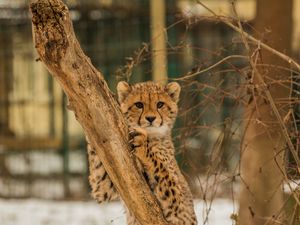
[{"x": 43, "y": 212}]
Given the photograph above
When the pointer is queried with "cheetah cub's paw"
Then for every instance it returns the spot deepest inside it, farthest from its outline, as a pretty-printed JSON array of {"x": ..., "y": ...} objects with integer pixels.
[{"x": 138, "y": 140}]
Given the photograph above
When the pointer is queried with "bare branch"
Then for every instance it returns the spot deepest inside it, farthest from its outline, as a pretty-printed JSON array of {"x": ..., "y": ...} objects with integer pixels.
[{"x": 251, "y": 38}]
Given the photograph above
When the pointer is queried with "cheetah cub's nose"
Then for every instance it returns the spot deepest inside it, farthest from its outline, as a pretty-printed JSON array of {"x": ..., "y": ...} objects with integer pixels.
[{"x": 150, "y": 118}]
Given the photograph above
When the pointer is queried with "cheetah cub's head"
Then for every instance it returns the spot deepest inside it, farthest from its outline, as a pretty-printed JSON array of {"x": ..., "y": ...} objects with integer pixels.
[{"x": 149, "y": 105}]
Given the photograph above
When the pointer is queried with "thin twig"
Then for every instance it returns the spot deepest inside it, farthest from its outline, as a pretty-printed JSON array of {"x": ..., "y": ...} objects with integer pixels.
[
  {"x": 265, "y": 89},
  {"x": 212, "y": 66},
  {"x": 250, "y": 37}
]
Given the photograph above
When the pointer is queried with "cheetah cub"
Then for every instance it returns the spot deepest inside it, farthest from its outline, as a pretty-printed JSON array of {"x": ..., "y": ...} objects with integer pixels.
[{"x": 150, "y": 110}]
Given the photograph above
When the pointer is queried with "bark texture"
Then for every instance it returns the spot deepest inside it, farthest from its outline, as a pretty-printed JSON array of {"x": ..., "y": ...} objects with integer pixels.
[
  {"x": 262, "y": 163},
  {"x": 93, "y": 104}
]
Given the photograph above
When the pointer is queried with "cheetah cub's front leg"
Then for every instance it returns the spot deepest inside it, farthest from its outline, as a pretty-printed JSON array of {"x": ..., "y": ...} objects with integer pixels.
[{"x": 138, "y": 142}]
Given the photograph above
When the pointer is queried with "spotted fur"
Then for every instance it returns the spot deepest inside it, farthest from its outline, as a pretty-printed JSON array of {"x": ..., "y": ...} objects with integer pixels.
[
  {"x": 150, "y": 110},
  {"x": 102, "y": 187}
]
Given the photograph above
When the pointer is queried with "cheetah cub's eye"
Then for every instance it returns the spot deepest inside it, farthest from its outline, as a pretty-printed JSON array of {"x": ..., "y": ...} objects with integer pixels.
[
  {"x": 139, "y": 105},
  {"x": 160, "y": 104}
]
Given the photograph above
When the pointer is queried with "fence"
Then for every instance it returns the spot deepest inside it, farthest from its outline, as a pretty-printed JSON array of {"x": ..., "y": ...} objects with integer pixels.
[{"x": 42, "y": 147}]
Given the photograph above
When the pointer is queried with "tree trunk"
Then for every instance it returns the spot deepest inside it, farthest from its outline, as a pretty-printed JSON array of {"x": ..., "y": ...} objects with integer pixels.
[
  {"x": 261, "y": 196},
  {"x": 93, "y": 104}
]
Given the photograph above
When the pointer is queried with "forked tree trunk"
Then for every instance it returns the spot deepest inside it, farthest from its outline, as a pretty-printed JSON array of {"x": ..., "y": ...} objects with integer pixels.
[
  {"x": 262, "y": 164},
  {"x": 93, "y": 104}
]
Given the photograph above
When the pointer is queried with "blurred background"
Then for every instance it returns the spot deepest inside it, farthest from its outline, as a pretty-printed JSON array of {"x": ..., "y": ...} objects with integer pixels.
[{"x": 42, "y": 147}]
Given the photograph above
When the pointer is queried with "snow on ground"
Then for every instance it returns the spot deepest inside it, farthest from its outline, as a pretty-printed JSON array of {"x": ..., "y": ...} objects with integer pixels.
[{"x": 43, "y": 212}]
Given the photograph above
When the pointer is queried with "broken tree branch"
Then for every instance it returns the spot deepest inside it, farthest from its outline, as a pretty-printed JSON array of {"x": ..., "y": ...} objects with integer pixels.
[{"x": 93, "y": 104}]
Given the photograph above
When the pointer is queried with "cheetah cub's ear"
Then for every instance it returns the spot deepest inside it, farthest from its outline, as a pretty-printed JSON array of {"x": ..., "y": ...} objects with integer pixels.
[
  {"x": 123, "y": 89},
  {"x": 173, "y": 89}
]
